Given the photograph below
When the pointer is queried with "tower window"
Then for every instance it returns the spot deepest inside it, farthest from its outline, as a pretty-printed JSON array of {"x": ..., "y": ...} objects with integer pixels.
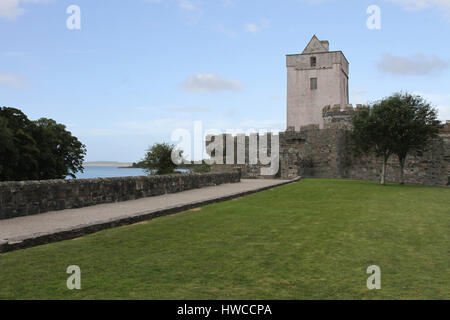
[
  {"x": 313, "y": 61},
  {"x": 313, "y": 82}
]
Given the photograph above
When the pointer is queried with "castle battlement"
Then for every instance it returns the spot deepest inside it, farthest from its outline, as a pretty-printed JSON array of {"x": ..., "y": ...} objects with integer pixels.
[
  {"x": 339, "y": 117},
  {"x": 337, "y": 108}
]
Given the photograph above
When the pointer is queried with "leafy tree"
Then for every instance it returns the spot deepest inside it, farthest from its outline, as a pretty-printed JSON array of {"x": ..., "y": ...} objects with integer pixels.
[
  {"x": 413, "y": 124},
  {"x": 18, "y": 156},
  {"x": 368, "y": 135},
  {"x": 60, "y": 153},
  {"x": 158, "y": 159},
  {"x": 7, "y": 148},
  {"x": 36, "y": 150},
  {"x": 397, "y": 125}
]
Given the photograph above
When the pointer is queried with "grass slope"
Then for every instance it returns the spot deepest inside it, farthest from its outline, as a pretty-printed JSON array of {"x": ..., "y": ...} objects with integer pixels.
[{"x": 309, "y": 240}]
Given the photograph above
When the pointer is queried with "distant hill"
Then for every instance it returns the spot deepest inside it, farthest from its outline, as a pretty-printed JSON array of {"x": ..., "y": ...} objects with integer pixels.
[{"x": 106, "y": 164}]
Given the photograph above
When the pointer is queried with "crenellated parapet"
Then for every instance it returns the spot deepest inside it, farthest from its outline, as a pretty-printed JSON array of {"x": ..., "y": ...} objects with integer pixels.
[
  {"x": 290, "y": 134},
  {"x": 446, "y": 128},
  {"x": 300, "y": 135},
  {"x": 339, "y": 117}
]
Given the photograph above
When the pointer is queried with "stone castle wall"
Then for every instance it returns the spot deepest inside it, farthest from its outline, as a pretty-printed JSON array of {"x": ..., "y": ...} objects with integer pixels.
[
  {"x": 324, "y": 153},
  {"x": 33, "y": 197},
  {"x": 312, "y": 152},
  {"x": 231, "y": 160}
]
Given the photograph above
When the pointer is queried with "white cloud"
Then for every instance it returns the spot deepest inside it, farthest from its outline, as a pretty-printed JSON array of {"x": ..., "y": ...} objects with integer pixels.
[
  {"x": 228, "y": 32},
  {"x": 11, "y": 9},
  {"x": 443, "y": 5},
  {"x": 173, "y": 110},
  {"x": 256, "y": 27},
  {"x": 190, "y": 10},
  {"x": 187, "y": 5},
  {"x": 416, "y": 65},
  {"x": 252, "y": 27},
  {"x": 190, "y": 109},
  {"x": 166, "y": 126},
  {"x": 162, "y": 126},
  {"x": 208, "y": 82},
  {"x": 157, "y": 126},
  {"x": 410, "y": 5},
  {"x": 14, "y": 81}
]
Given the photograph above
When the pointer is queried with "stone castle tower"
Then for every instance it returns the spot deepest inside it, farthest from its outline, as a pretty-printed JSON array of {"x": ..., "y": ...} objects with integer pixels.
[
  {"x": 316, "y": 143},
  {"x": 315, "y": 78}
]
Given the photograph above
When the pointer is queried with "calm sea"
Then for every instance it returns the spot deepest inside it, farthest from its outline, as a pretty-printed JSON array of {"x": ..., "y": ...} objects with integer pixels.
[
  {"x": 91, "y": 172},
  {"x": 108, "y": 172}
]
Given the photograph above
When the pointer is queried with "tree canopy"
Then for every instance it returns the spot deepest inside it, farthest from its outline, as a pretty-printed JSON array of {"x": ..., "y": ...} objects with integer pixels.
[
  {"x": 158, "y": 159},
  {"x": 37, "y": 150}
]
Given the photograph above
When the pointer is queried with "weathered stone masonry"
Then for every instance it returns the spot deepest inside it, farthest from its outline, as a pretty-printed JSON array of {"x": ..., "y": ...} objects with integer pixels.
[
  {"x": 248, "y": 167},
  {"x": 33, "y": 197},
  {"x": 328, "y": 152},
  {"x": 324, "y": 153}
]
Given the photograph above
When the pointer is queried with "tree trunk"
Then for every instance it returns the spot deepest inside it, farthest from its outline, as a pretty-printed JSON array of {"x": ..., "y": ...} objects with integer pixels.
[{"x": 383, "y": 171}]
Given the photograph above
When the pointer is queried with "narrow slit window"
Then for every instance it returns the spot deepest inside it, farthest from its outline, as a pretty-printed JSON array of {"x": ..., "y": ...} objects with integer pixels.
[
  {"x": 313, "y": 61},
  {"x": 313, "y": 83}
]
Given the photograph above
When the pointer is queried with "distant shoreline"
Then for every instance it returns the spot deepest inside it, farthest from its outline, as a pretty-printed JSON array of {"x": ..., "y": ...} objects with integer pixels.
[{"x": 107, "y": 164}]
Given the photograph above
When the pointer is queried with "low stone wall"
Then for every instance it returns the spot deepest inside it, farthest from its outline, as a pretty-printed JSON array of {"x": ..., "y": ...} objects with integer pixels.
[{"x": 33, "y": 197}]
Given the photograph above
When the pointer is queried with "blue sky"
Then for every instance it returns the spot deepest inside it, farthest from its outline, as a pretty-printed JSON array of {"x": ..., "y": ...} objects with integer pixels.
[{"x": 139, "y": 69}]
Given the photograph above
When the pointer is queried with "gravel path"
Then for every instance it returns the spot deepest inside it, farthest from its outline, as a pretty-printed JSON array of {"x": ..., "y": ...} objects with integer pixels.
[{"x": 17, "y": 230}]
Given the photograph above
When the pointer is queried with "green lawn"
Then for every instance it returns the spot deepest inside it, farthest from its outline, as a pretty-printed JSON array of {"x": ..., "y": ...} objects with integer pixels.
[{"x": 309, "y": 240}]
